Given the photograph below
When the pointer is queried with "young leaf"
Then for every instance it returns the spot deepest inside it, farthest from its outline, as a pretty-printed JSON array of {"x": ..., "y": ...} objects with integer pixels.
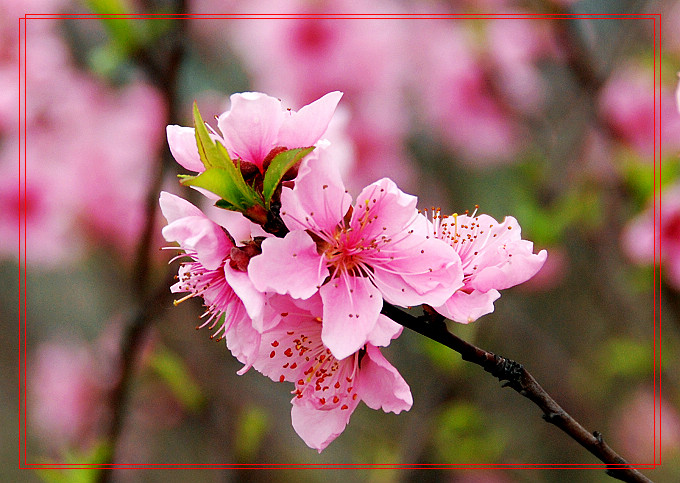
[
  {"x": 208, "y": 150},
  {"x": 221, "y": 182},
  {"x": 281, "y": 163}
]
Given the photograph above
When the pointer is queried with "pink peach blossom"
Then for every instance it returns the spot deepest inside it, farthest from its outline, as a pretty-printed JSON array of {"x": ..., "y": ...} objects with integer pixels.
[
  {"x": 353, "y": 256},
  {"x": 256, "y": 124},
  {"x": 327, "y": 389},
  {"x": 494, "y": 257}
]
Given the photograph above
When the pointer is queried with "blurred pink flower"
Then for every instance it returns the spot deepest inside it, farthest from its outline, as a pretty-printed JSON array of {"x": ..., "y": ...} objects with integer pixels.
[
  {"x": 636, "y": 432},
  {"x": 457, "y": 101},
  {"x": 303, "y": 57},
  {"x": 79, "y": 186},
  {"x": 515, "y": 46},
  {"x": 376, "y": 249},
  {"x": 627, "y": 104},
  {"x": 64, "y": 394},
  {"x": 327, "y": 390},
  {"x": 640, "y": 244},
  {"x": 494, "y": 257}
]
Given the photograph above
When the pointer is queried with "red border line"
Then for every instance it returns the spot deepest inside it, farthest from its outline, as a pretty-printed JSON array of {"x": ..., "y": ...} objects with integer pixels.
[{"x": 22, "y": 235}]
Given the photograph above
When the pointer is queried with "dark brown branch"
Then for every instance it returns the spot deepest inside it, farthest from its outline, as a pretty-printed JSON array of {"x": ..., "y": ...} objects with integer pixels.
[
  {"x": 147, "y": 305},
  {"x": 514, "y": 375}
]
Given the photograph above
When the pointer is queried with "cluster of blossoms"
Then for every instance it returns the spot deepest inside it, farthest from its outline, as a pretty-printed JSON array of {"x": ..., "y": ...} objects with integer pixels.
[{"x": 294, "y": 279}]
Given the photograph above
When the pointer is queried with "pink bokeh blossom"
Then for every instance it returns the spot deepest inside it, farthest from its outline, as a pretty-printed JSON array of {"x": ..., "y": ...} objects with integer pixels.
[
  {"x": 65, "y": 394},
  {"x": 627, "y": 103},
  {"x": 458, "y": 104},
  {"x": 640, "y": 244}
]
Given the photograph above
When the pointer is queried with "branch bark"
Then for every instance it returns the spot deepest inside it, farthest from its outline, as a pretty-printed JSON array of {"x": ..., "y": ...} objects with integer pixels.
[{"x": 514, "y": 375}]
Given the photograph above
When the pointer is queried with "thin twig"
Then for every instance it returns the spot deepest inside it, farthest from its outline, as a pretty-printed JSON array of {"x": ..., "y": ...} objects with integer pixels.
[{"x": 433, "y": 326}]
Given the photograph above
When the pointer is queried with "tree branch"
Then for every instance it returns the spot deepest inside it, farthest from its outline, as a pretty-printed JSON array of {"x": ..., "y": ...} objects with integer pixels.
[{"x": 433, "y": 326}]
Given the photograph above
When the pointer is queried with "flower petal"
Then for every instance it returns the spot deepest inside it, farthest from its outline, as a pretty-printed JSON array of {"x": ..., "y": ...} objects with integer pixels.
[
  {"x": 384, "y": 331},
  {"x": 251, "y": 127},
  {"x": 318, "y": 428},
  {"x": 182, "y": 143},
  {"x": 289, "y": 265},
  {"x": 465, "y": 307},
  {"x": 306, "y": 126},
  {"x": 380, "y": 385},
  {"x": 252, "y": 299},
  {"x": 515, "y": 263},
  {"x": 382, "y": 209},
  {"x": 243, "y": 341},
  {"x": 173, "y": 207},
  {"x": 319, "y": 200},
  {"x": 426, "y": 273},
  {"x": 199, "y": 234},
  {"x": 351, "y": 306}
]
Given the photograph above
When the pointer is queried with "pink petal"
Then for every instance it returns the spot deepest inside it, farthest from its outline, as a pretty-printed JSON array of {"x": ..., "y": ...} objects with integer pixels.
[
  {"x": 237, "y": 225},
  {"x": 289, "y": 265},
  {"x": 182, "y": 143},
  {"x": 243, "y": 341},
  {"x": 390, "y": 210},
  {"x": 319, "y": 200},
  {"x": 173, "y": 207},
  {"x": 305, "y": 127},
  {"x": 468, "y": 307},
  {"x": 251, "y": 127},
  {"x": 384, "y": 331},
  {"x": 519, "y": 265},
  {"x": 380, "y": 385},
  {"x": 318, "y": 428},
  {"x": 252, "y": 299},
  {"x": 427, "y": 273},
  {"x": 351, "y": 306},
  {"x": 199, "y": 234}
]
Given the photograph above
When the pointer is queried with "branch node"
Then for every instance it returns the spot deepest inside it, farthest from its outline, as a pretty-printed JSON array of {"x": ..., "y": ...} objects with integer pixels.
[{"x": 598, "y": 437}]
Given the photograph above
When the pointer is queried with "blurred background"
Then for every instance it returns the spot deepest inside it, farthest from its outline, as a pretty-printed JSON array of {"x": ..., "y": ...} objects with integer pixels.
[{"x": 545, "y": 119}]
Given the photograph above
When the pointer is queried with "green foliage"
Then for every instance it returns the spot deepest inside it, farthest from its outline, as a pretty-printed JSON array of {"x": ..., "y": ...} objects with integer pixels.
[
  {"x": 251, "y": 427},
  {"x": 175, "y": 375},
  {"x": 98, "y": 454},
  {"x": 126, "y": 35},
  {"x": 640, "y": 177},
  {"x": 462, "y": 434},
  {"x": 281, "y": 163},
  {"x": 441, "y": 356}
]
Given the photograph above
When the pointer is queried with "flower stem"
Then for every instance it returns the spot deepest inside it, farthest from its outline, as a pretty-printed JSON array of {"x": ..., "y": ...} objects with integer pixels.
[{"x": 433, "y": 326}]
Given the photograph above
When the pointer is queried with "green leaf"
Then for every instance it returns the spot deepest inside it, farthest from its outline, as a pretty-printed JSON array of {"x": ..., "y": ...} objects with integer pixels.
[
  {"x": 208, "y": 150},
  {"x": 175, "y": 374},
  {"x": 125, "y": 32},
  {"x": 221, "y": 182},
  {"x": 281, "y": 163}
]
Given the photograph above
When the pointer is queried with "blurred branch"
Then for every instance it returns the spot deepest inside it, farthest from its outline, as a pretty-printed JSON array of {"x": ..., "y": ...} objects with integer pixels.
[
  {"x": 164, "y": 77},
  {"x": 433, "y": 326}
]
